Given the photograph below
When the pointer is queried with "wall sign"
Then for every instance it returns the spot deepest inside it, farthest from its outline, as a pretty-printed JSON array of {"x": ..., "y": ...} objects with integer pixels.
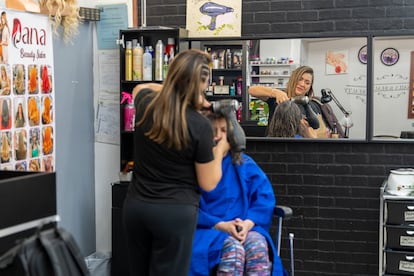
[
  {"x": 362, "y": 54},
  {"x": 389, "y": 56},
  {"x": 27, "y": 125},
  {"x": 217, "y": 18}
]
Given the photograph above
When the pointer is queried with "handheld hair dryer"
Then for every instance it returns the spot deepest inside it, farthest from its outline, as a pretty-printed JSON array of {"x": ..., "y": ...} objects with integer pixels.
[
  {"x": 300, "y": 100},
  {"x": 235, "y": 133},
  {"x": 311, "y": 117},
  {"x": 212, "y": 9}
]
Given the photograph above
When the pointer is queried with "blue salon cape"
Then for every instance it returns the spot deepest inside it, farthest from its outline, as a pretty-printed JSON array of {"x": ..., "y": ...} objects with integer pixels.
[{"x": 243, "y": 192}]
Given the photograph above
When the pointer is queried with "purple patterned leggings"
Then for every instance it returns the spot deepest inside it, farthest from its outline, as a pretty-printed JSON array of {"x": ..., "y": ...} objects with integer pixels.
[{"x": 250, "y": 258}]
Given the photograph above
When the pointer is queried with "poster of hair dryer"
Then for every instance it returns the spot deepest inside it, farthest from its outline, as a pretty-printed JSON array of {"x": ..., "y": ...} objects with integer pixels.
[{"x": 213, "y": 18}]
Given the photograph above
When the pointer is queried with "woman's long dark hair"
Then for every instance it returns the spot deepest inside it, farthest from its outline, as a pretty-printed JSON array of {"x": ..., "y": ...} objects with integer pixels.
[
  {"x": 285, "y": 121},
  {"x": 181, "y": 89}
]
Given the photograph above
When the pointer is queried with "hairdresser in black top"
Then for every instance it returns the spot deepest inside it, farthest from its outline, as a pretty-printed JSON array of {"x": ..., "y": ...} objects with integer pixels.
[
  {"x": 299, "y": 89},
  {"x": 174, "y": 157}
]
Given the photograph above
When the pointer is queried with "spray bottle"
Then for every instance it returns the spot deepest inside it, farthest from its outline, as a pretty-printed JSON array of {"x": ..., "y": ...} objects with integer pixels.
[
  {"x": 159, "y": 50},
  {"x": 129, "y": 111},
  {"x": 128, "y": 61}
]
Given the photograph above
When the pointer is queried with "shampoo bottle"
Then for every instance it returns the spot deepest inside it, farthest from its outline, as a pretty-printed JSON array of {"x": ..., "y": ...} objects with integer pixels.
[
  {"x": 147, "y": 65},
  {"x": 137, "y": 53}
]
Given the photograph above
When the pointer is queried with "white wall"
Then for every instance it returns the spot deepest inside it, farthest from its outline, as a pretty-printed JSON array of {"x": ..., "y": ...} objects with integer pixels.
[
  {"x": 391, "y": 88},
  {"x": 107, "y": 156},
  {"x": 349, "y": 88}
]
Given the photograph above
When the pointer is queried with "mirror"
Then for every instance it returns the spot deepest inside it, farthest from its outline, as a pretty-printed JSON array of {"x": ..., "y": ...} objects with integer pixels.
[
  {"x": 271, "y": 61},
  {"x": 393, "y": 96}
]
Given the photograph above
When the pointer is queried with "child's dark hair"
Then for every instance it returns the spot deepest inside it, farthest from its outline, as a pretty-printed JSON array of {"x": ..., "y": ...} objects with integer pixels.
[{"x": 236, "y": 157}]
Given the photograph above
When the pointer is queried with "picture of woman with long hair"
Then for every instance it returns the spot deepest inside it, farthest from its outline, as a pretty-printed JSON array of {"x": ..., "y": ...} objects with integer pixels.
[{"x": 5, "y": 36}]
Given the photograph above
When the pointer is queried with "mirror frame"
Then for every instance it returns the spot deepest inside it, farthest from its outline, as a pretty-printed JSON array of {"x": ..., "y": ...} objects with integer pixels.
[{"x": 369, "y": 133}]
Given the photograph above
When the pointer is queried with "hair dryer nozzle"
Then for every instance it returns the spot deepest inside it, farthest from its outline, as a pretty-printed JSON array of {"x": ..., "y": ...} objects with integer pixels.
[
  {"x": 303, "y": 100},
  {"x": 219, "y": 106}
]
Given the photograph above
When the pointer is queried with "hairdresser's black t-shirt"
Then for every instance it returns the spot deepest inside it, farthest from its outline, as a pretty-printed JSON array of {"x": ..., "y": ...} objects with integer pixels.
[{"x": 165, "y": 175}]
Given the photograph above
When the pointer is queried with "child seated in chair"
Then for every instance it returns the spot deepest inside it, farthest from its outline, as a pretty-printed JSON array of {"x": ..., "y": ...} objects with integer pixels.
[{"x": 232, "y": 235}]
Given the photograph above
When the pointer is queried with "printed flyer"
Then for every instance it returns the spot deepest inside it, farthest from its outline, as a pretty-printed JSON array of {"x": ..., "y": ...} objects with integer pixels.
[{"x": 26, "y": 92}]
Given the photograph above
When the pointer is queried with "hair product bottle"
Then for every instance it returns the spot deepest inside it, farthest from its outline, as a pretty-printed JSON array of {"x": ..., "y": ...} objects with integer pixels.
[
  {"x": 137, "y": 53},
  {"x": 170, "y": 49},
  {"x": 147, "y": 65},
  {"x": 128, "y": 61},
  {"x": 159, "y": 50},
  {"x": 129, "y": 111}
]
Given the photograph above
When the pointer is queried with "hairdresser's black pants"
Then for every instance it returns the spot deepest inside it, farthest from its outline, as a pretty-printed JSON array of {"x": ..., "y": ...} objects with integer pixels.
[{"x": 159, "y": 237}]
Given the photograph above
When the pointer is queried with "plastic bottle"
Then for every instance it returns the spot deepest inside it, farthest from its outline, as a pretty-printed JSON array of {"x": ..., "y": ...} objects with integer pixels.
[
  {"x": 334, "y": 133},
  {"x": 129, "y": 112},
  {"x": 147, "y": 65},
  {"x": 170, "y": 49},
  {"x": 239, "y": 87},
  {"x": 128, "y": 61},
  {"x": 159, "y": 50},
  {"x": 228, "y": 59},
  {"x": 165, "y": 67},
  {"x": 137, "y": 53}
]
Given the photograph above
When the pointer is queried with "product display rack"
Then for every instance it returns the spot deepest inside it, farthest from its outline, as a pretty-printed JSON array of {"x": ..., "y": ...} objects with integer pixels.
[
  {"x": 145, "y": 36},
  {"x": 233, "y": 74},
  {"x": 268, "y": 73}
]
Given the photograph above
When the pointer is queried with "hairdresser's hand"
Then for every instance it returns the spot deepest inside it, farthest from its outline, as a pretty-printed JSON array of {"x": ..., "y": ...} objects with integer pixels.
[
  {"x": 280, "y": 96},
  {"x": 156, "y": 87},
  {"x": 306, "y": 131}
]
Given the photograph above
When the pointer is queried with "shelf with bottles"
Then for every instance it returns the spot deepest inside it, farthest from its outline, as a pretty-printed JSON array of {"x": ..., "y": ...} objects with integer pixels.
[
  {"x": 147, "y": 37},
  {"x": 171, "y": 40},
  {"x": 272, "y": 70},
  {"x": 259, "y": 111},
  {"x": 281, "y": 84}
]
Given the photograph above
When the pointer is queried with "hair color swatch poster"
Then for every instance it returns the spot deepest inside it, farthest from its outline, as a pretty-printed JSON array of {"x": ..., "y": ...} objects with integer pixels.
[{"x": 27, "y": 125}]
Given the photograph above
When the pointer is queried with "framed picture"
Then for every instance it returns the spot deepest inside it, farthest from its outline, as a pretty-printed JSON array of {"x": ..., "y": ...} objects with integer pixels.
[
  {"x": 389, "y": 56},
  {"x": 362, "y": 54},
  {"x": 336, "y": 62}
]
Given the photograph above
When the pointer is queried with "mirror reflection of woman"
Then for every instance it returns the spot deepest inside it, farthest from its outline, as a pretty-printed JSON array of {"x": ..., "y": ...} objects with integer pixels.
[{"x": 299, "y": 85}]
